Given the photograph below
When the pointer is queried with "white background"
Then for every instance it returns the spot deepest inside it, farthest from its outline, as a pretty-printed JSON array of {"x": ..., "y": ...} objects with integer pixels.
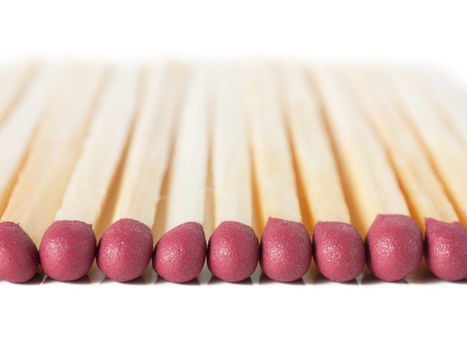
[{"x": 318, "y": 314}]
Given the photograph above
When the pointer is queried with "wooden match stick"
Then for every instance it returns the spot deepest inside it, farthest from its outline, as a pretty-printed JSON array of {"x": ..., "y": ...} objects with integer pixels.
[
  {"x": 319, "y": 180},
  {"x": 180, "y": 253},
  {"x": 423, "y": 191},
  {"x": 233, "y": 247},
  {"x": 371, "y": 182},
  {"x": 13, "y": 79},
  {"x": 20, "y": 257},
  {"x": 145, "y": 168},
  {"x": 444, "y": 149},
  {"x": 17, "y": 131},
  {"x": 187, "y": 190},
  {"x": 286, "y": 246},
  {"x": 231, "y": 164}
]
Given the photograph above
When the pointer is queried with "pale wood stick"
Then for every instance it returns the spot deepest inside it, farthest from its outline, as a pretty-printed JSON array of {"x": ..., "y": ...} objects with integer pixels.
[
  {"x": 445, "y": 150},
  {"x": 231, "y": 166},
  {"x": 367, "y": 171},
  {"x": 103, "y": 148},
  {"x": 313, "y": 149},
  {"x": 448, "y": 97},
  {"x": 13, "y": 79},
  {"x": 53, "y": 153},
  {"x": 17, "y": 131},
  {"x": 149, "y": 152},
  {"x": 273, "y": 165},
  {"x": 186, "y": 196},
  {"x": 424, "y": 192}
]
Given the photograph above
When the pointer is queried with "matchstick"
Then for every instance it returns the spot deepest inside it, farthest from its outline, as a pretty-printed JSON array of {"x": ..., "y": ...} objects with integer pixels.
[
  {"x": 371, "y": 182},
  {"x": 145, "y": 168},
  {"x": 86, "y": 192},
  {"x": 423, "y": 191},
  {"x": 13, "y": 81},
  {"x": 20, "y": 109},
  {"x": 286, "y": 246},
  {"x": 181, "y": 251},
  {"x": 42, "y": 180},
  {"x": 319, "y": 180},
  {"x": 231, "y": 164},
  {"x": 446, "y": 242},
  {"x": 233, "y": 246}
]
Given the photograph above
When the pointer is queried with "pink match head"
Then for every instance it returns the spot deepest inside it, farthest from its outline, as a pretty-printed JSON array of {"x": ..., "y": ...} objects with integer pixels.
[
  {"x": 446, "y": 249},
  {"x": 180, "y": 254},
  {"x": 339, "y": 251},
  {"x": 125, "y": 249},
  {"x": 233, "y": 251},
  {"x": 285, "y": 250},
  {"x": 19, "y": 257},
  {"x": 67, "y": 250},
  {"x": 395, "y": 247}
]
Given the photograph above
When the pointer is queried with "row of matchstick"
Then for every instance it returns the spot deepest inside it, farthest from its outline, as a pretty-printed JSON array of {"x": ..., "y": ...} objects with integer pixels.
[{"x": 253, "y": 157}]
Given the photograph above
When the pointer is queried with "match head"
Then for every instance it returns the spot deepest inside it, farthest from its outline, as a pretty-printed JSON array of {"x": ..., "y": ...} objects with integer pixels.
[
  {"x": 394, "y": 247},
  {"x": 446, "y": 249},
  {"x": 338, "y": 251},
  {"x": 180, "y": 253},
  {"x": 125, "y": 249},
  {"x": 67, "y": 250},
  {"x": 285, "y": 253},
  {"x": 19, "y": 257},
  {"x": 233, "y": 251}
]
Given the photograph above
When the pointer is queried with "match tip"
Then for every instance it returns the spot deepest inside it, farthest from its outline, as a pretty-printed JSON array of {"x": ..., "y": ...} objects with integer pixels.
[
  {"x": 233, "y": 251},
  {"x": 446, "y": 249},
  {"x": 285, "y": 250},
  {"x": 395, "y": 247},
  {"x": 339, "y": 251},
  {"x": 125, "y": 249},
  {"x": 19, "y": 257},
  {"x": 67, "y": 250},
  {"x": 180, "y": 253}
]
